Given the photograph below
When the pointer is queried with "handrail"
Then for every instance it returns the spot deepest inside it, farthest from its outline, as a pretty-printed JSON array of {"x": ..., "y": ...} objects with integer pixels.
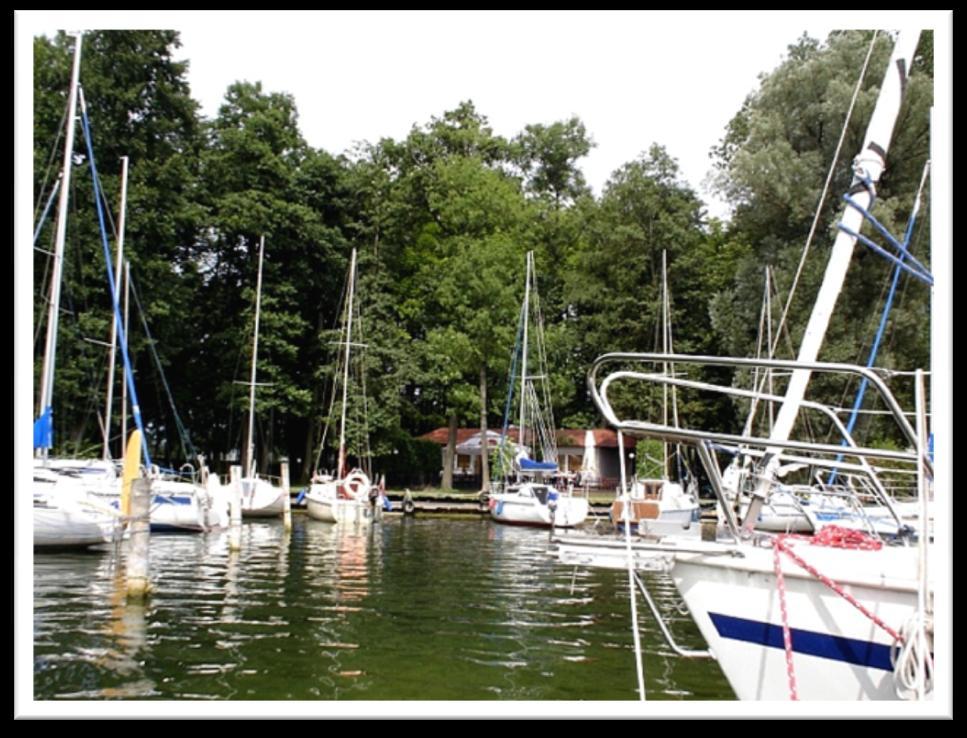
[
  {"x": 881, "y": 493},
  {"x": 690, "y": 436}
]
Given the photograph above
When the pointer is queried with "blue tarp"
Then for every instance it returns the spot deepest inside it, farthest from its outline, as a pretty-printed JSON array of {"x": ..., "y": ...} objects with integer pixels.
[
  {"x": 536, "y": 466},
  {"x": 44, "y": 430}
]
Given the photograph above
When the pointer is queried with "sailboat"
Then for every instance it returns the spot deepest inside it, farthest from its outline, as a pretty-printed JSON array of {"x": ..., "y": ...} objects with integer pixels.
[
  {"x": 659, "y": 505},
  {"x": 67, "y": 510},
  {"x": 350, "y": 496},
  {"x": 71, "y": 491},
  {"x": 176, "y": 505},
  {"x": 840, "y": 615},
  {"x": 260, "y": 498},
  {"x": 524, "y": 498}
]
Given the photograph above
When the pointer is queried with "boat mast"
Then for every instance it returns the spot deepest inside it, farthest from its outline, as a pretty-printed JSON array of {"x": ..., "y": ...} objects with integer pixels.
[
  {"x": 124, "y": 385},
  {"x": 50, "y": 347},
  {"x": 666, "y": 327},
  {"x": 248, "y": 461},
  {"x": 340, "y": 470},
  {"x": 523, "y": 368},
  {"x": 868, "y": 166},
  {"x": 114, "y": 326}
]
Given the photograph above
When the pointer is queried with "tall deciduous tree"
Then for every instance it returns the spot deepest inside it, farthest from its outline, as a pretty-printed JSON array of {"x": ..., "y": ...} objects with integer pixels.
[
  {"x": 262, "y": 179},
  {"x": 773, "y": 162},
  {"x": 139, "y": 106}
]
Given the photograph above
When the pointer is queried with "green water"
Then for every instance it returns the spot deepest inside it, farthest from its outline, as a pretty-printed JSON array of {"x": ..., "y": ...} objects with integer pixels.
[{"x": 409, "y": 609}]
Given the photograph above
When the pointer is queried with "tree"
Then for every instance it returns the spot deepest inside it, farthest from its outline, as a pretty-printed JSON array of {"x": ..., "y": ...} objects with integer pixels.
[
  {"x": 614, "y": 280},
  {"x": 547, "y": 157},
  {"x": 262, "y": 179},
  {"x": 773, "y": 163},
  {"x": 138, "y": 104}
]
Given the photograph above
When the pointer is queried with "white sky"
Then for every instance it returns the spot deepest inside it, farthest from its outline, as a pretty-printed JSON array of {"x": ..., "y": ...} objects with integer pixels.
[{"x": 633, "y": 77}]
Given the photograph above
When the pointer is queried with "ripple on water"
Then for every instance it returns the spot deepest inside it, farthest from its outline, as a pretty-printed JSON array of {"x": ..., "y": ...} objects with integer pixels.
[{"x": 424, "y": 609}]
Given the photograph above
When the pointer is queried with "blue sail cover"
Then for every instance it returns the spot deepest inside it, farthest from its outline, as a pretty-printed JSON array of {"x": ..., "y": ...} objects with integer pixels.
[
  {"x": 44, "y": 429},
  {"x": 536, "y": 466}
]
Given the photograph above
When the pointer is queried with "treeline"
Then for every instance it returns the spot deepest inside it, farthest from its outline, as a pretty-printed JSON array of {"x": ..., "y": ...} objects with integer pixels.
[{"x": 441, "y": 220}]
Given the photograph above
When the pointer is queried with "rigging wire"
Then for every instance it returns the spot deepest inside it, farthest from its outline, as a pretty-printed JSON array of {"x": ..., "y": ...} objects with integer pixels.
[
  {"x": 825, "y": 192},
  {"x": 184, "y": 437},
  {"x": 53, "y": 156},
  {"x": 122, "y": 337}
]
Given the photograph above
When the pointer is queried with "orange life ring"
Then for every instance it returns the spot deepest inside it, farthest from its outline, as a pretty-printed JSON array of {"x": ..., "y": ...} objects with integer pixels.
[{"x": 355, "y": 486}]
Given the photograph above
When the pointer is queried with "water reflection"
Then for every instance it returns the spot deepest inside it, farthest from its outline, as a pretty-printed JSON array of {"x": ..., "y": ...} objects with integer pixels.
[{"x": 402, "y": 610}]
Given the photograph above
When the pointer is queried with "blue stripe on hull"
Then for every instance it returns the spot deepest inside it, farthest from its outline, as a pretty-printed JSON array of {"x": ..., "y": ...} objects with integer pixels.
[{"x": 811, "y": 643}]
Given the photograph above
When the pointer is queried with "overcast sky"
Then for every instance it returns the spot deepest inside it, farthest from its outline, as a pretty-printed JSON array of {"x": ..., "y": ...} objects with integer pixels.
[{"x": 633, "y": 77}]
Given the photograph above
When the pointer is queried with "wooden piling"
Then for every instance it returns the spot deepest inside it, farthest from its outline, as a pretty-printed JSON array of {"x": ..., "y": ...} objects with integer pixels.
[
  {"x": 139, "y": 536},
  {"x": 286, "y": 496},
  {"x": 235, "y": 527}
]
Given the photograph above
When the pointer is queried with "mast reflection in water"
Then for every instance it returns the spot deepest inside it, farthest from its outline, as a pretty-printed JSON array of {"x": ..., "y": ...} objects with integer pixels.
[{"x": 406, "y": 609}]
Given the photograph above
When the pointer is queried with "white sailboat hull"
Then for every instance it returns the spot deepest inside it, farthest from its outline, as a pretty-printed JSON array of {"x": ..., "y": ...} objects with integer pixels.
[
  {"x": 69, "y": 509},
  {"x": 66, "y": 513},
  {"x": 781, "y": 514},
  {"x": 261, "y": 500},
  {"x": 657, "y": 507},
  {"x": 324, "y": 503},
  {"x": 181, "y": 506},
  {"x": 341, "y": 511},
  {"x": 57, "y": 526},
  {"x": 839, "y": 653},
  {"x": 515, "y": 509}
]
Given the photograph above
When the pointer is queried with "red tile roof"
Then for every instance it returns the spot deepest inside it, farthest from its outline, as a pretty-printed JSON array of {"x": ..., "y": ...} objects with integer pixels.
[{"x": 603, "y": 437}]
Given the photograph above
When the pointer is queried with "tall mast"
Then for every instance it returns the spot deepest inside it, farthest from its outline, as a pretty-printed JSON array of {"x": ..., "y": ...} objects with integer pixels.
[
  {"x": 345, "y": 377},
  {"x": 665, "y": 327},
  {"x": 124, "y": 385},
  {"x": 523, "y": 367},
  {"x": 114, "y": 326},
  {"x": 868, "y": 166},
  {"x": 250, "y": 443},
  {"x": 50, "y": 347}
]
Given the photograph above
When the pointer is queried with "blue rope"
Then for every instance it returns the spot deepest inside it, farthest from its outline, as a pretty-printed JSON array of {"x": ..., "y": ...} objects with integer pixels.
[
  {"x": 122, "y": 338},
  {"x": 899, "y": 267},
  {"x": 917, "y": 269}
]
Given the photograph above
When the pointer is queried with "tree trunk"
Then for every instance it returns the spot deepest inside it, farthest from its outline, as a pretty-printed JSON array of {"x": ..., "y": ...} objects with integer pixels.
[
  {"x": 484, "y": 447},
  {"x": 308, "y": 459},
  {"x": 450, "y": 452}
]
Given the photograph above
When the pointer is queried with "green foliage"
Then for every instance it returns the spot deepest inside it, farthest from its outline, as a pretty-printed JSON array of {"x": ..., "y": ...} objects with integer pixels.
[
  {"x": 441, "y": 221},
  {"x": 772, "y": 165},
  {"x": 409, "y": 461}
]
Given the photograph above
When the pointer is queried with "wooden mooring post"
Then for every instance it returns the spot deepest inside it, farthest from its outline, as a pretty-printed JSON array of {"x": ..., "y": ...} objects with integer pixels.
[
  {"x": 235, "y": 509},
  {"x": 139, "y": 536},
  {"x": 287, "y": 496}
]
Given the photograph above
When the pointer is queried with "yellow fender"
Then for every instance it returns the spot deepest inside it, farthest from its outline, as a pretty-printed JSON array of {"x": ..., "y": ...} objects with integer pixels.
[{"x": 132, "y": 469}]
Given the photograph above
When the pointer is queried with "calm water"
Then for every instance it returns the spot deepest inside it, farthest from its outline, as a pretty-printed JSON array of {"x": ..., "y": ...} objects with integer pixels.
[{"x": 411, "y": 609}]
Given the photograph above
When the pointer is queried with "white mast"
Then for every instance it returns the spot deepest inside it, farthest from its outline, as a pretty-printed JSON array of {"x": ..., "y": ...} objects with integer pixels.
[
  {"x": 124, "y": 385},
  {"x": 248, "y": 461},
  {"x": 523, "y": 368},
  {"x": 523, "y": 363},
  {"x": 665, "y": 330},
  {"x": 868, "y": 166},
  {"x": 50, "y": 347},
  {"x": 340, "y": 470},
  {"x": 114, "y": 326}
]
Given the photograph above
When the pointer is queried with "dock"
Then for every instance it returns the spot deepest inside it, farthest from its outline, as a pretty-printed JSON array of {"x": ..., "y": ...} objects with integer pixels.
[{"x": 454, "y": 503}]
